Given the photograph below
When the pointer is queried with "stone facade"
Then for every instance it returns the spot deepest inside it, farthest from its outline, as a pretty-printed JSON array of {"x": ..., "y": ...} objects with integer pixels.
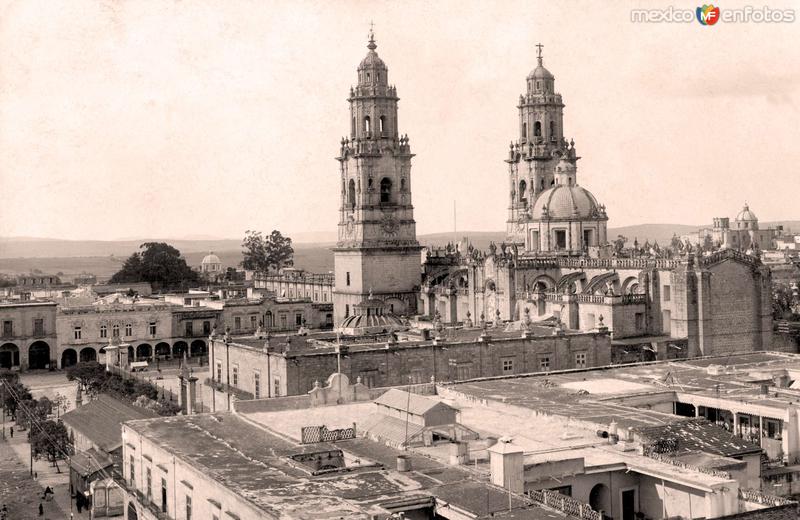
[
  {"x": 559, "y": 267},
  {"x": 296, "y": 370},
  {"x": 377, "y": 251},
  {"x": 28, "y": 334}
]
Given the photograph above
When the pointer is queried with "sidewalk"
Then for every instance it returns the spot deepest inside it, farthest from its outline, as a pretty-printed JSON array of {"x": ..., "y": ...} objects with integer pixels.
[{"x": 22, "y": 494}]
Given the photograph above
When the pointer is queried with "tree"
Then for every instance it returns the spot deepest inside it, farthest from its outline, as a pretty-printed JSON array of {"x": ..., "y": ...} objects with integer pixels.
[
  {"x": 91, "y": 375},
  {"x": 51, "y": 440},
  {"x": 61, "y": 403},
  {"x": 265, "y": 254},
  {"x": 14, "y": 392},
  {"x": 158, "y": 263},
  {"x": 29, "y": 414}
]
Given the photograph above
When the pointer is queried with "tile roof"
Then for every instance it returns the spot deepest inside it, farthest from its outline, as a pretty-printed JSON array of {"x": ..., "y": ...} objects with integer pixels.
[
  {"x": 390, "y": 430},
  {"x": 101, "y": 420},
  {"x": 90, "y": 461},
  {"x": 700, "y": 435},
  {"x": 405, "y": 401}
]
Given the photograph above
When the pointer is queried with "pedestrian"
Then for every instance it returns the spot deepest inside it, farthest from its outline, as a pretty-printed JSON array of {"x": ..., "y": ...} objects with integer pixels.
[
  {"x": 41, "y": 509},
  {"x": 12, "y": 432}
]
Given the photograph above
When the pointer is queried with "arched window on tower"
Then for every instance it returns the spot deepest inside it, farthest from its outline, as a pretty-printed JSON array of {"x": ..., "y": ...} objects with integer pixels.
[
  {"x": 552, "y": 130},
  {"x": 525, "y": 131},
  {"x": 351, "y": 194},
  {"x": 369, "y": 183},
  {"x": 537, "y": 129},
  {"x": 366, "y": 125},
  {"x": 353, "y": 127},
  {"x": 402, "y": 185},
  {"x": 382, "y": 125},
  {"x": 386, "y": 190},
  {"x": 522, "y": 192}
]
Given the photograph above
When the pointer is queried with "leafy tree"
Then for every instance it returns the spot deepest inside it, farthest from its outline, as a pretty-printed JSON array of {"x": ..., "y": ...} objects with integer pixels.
[
  {"x": 158, "y": 263},
  {"x": 676, "y": 244},
  {"x": 91, "y": 375},
  {"x": 44, "y": 406},
  {"x": 61, "y": 403},
  {"x": 13, "y": 390},
  {"x": 29, "y": 414},
  {"x": 51, "y": 440},
  {"x": 266, "y": 254}
]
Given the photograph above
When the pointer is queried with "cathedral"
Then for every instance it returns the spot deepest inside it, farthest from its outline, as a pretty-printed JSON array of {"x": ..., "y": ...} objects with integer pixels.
[{"x": 556, "y": 268}]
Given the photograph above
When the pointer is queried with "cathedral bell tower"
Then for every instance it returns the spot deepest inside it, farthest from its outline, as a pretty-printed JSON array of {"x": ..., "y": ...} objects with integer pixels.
[
  {"x": 377, "y": 251},
  {"x": 533, "y": 158}
]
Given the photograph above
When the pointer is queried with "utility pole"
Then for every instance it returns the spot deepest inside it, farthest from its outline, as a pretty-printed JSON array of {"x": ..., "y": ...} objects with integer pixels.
[{"x": 3, "y": 385}]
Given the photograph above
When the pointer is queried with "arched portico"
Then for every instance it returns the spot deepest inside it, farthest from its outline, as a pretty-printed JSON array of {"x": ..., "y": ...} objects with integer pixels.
[
  {"x": 9, "y": 355},
  {"x": 69, "y": 358},
  {"x": 39, "y": 355},
  {"x": 179, "y": 348},
  {"x": 163, "y": 350},
  {"x": 144, "y": 351},
  {"x": 198, "y": 348},
  {"x": 88, "y": 354}
]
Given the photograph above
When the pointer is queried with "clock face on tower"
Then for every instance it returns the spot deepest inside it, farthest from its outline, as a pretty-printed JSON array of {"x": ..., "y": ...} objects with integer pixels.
[{"x": 390, "y": 226}]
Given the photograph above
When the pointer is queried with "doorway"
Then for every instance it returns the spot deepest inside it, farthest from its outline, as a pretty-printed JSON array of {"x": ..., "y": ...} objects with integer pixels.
[{"x": 628, "y": 500}]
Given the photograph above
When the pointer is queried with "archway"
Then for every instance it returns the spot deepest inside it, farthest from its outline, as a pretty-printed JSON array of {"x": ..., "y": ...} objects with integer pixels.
[
  {"x": 144, "y": 351},
  {"x": 69, "y": 358},
  {"x": 39, "y": 355},
  {"x": 130, "y": 353},
  {"x": 179, "y": 348},
  {"x": 88, "y": 354},
  {"x": 198, "y": 348},
  {"x": 162, "y": 350},
  {"x": 101, "y": 356},
  {"x": 132, "y": 514},
  {"x": 9, "y": 355},
  {"x": 600, "y": 498}
]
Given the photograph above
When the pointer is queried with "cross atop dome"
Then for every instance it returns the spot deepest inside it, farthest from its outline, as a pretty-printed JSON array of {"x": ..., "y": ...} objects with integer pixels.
[
  {"x": 372, "y": 45},
  {"x": 539, "y": 47}
]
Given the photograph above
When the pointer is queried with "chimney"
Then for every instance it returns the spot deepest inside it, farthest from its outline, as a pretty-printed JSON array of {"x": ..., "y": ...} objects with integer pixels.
[
  {"x": 459, "y": 453},
  {"x": 506, "y": 464}
]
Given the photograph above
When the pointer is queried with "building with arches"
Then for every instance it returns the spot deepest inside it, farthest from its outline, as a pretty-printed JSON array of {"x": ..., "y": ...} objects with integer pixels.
[
  {"x": 377, "y": 250},
  {"x": 28, "y": 335}
]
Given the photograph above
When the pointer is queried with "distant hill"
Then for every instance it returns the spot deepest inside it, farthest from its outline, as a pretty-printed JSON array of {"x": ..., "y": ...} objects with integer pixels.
[{"x": 312, "y": 249}]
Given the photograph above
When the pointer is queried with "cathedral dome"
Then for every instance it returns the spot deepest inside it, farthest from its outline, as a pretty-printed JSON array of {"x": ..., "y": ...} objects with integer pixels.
[
  {"x": 211, "y": 258},
  {"x": 567, "y": 202},
  {"x": 746, "y": 215},
  {"x": 372, "y": 60},
  {"x": 540, "y": 73}
]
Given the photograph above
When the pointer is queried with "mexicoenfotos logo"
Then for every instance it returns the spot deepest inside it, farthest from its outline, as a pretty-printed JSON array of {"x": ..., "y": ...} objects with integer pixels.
[{"x": 708, "y": 14}]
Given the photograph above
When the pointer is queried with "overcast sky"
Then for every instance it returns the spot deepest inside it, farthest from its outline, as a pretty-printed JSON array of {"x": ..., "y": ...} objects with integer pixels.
[{"x": 178, "y": 118}]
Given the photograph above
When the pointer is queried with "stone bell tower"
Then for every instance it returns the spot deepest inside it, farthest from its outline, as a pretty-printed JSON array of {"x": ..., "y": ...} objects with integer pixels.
[
  {"x": 532, "y": 159},
  {"x": 377, "y": 250}
]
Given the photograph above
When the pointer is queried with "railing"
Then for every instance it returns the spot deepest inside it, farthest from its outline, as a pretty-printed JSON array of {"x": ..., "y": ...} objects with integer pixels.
[
  {"x": 312, "y": 278},
  {"x": 625, "y": 299},
  {"x": 759, "y": 497},
  {"x": 564, "y": 504},
  {"x": 680, "y": 464},
  {"x": 728, "y": 253},
  {"x": 598, "y": 263}
]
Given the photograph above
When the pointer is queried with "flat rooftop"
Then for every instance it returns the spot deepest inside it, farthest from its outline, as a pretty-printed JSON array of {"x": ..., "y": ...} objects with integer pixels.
[
  {"x": 255, "y": 463},
  {"x": 600, "y": 395},
  {"x": 325, "y": 342}
]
